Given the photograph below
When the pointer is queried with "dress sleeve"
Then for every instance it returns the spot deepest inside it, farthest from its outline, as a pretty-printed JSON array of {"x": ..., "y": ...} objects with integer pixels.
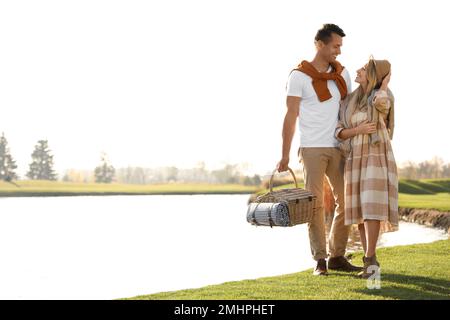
[{"x": 340, "y": 124}]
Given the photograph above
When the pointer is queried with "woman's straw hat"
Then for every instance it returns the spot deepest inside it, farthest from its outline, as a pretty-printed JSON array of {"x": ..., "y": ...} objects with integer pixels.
[{"x": 382, "y": 68}]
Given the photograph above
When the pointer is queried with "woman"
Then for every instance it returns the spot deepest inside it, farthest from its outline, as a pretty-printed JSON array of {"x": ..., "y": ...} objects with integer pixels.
[{"x": 365, "y": 128}]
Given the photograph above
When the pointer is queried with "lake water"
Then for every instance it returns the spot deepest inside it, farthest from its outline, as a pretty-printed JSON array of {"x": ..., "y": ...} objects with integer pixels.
[{"x": 121, "y": 246}]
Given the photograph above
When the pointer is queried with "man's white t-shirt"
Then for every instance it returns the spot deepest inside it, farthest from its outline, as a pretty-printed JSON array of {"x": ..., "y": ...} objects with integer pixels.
[{"x": 317, "y": 120}]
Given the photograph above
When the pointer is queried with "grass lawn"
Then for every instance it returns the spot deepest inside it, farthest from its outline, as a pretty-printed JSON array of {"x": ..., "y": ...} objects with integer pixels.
[
  {"x": 425, "y": 194},
  {"x": 419, "y": 271},
  {"x": 59, "y": 188},
  {"x": 439, "y": 201}
]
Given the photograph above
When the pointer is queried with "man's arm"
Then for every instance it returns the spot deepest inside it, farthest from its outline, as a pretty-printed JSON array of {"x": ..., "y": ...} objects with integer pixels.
[{"x": 290, "y": 120}]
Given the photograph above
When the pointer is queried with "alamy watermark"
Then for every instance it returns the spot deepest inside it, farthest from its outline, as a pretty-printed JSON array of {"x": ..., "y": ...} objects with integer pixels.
[{"x": 374, "y": 281}]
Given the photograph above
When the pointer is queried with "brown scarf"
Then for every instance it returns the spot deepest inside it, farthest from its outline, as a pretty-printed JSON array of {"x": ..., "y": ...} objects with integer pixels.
[{"x": 319, "y": 81}]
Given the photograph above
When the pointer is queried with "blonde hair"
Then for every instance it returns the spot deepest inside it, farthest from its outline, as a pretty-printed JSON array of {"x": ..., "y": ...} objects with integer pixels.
[{"x": 372, "y": 83}]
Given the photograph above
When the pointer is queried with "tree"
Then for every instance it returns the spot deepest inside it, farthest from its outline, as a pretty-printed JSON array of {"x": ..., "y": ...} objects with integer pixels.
[
  {"x": 7, "y": 164},
  {"x": 41, "y": 168},
  {"x": 229, "y": 174},
  {"x": 104, "y": 173},
  {"x": 409, "y": 170},
  {"x": 172, "y": 174},
  {"x": 446, "y": 171},
  {"x": 436, "y": 165},
  {"x": 256, "y": 180}
]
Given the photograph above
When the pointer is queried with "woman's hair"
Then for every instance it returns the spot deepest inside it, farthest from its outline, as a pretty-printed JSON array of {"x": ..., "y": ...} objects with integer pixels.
[{"x": 371, "y": 83}]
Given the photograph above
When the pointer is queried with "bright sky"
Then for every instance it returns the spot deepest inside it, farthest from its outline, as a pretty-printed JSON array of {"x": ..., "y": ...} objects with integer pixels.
[{"x": 176, "y": 82}]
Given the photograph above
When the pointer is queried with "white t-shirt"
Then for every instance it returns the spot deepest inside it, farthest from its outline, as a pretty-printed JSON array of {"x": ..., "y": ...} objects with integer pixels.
[{"x": 317, "y": 120}]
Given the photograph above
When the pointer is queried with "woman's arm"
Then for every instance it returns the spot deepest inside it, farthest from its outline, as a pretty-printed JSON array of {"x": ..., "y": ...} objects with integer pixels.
[
  {"x": 365, "y": 127},
  {"x": 381, "y": 99}
]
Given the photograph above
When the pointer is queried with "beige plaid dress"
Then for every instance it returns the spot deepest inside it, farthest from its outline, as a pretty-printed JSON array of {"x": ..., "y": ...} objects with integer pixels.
[{"x": 371, "y": 181}]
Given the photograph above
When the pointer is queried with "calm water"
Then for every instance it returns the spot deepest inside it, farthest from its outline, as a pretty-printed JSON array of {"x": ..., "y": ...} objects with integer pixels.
[{"x": 122, "y": 246}]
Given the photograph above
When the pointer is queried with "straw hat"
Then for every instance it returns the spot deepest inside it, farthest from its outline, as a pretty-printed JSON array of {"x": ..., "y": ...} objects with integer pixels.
[{"x": 382, "y": 68}]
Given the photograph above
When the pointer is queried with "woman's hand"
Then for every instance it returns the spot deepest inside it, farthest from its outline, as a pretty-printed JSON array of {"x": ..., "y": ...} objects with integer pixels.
[
  {"x": 385, "y": 82},
  {"x": 366, "y": 127}
]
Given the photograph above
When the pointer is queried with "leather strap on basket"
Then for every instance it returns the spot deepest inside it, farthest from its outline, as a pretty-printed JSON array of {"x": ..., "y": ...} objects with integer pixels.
[
  {"x": 270, "y": 215},
  {"x": 275, "y": 171}
]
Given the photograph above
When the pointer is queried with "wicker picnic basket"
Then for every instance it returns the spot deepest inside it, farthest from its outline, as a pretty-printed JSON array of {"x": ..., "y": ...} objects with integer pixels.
[{"x": 301, "y": 203}]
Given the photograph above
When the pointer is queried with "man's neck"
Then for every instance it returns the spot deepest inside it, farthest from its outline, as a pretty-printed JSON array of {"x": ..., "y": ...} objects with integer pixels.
[{"x": 320, "y": 64}]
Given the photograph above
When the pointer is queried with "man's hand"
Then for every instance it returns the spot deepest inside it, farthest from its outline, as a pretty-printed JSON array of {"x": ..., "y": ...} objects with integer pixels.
[{"x": 283, "y": 165}]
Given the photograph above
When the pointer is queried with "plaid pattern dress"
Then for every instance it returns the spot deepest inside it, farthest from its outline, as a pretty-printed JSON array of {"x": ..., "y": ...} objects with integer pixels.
[{"x": 371, "y": 181}]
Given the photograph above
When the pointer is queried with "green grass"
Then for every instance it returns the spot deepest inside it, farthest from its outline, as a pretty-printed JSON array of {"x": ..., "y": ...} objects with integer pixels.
[
  {"x": 425, "y": 194},
  {"x": 424, "y": 186},
  {"x": 439, "y": 201},
  {"x": 58, "y": 188},
  {"x": 419, "y": 271}
]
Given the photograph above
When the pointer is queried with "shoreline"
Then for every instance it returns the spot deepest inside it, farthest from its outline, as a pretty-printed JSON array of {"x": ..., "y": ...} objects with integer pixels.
[{"x": 428, "y": 217}]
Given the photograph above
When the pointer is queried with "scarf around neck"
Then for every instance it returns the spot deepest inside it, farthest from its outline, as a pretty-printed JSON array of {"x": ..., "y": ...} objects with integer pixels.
[{"x": 320, "y": 79}]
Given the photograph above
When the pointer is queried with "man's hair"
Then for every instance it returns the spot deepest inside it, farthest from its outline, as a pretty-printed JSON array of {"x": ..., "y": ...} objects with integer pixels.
[{"x": 325, "y": 32}]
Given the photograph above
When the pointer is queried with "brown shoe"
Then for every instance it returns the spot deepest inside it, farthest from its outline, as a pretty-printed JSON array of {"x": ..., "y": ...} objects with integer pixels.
[
  {"x": 369, "y": 262},
  {"x": 321, "y": 268},
  {"x": 342, "y": 264}
]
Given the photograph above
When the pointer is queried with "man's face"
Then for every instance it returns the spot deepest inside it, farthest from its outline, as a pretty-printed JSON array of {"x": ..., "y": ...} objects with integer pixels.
[{"x": 332, "y": 49}]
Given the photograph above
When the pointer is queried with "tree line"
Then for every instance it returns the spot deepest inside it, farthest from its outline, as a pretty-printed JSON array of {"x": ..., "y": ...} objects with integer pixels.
[
  {"x": 435, "y": 168},
  {"x": 41, "y": 168},
  {"x": 41, "y": 165}
]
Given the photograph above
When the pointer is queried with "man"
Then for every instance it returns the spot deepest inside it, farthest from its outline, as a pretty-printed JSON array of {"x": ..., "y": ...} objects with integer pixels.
[{"x": 314, "y": 91}]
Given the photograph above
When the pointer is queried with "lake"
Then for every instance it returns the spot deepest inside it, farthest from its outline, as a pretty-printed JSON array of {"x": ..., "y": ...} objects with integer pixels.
[{"x": 106, "y": 247}]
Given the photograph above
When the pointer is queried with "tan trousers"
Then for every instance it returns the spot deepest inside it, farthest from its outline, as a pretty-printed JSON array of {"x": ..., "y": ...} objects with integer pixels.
[{"x": 318, "y": 163}]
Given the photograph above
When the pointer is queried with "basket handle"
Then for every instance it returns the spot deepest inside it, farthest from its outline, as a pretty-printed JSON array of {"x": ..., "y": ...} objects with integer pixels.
[{"x": 275, "y": 171}]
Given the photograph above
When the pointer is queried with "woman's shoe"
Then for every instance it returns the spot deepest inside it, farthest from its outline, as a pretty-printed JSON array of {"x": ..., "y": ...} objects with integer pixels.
[{"x": 369, "y": 262}]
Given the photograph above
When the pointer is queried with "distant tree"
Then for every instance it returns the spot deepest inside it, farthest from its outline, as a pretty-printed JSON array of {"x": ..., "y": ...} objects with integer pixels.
[
  {"x": 41, "y": 167},
  {"x": 172, "y": 174},
  {"x": 131, "y": 175},
  {"x": 250, "y": 181},
  {"x": 80, "y": 176},
  {"x": 256, "y": 180},
  {"x": 409, "y": 170},
  {"x": 446, "y": 171},
  {"x": 229, "y": 174},
  {"x": 104, "y": 173},
  {"x": 7, "y": 164},
  {"x": 436, "y": 165},
  {"x": 246, "y": 181}
]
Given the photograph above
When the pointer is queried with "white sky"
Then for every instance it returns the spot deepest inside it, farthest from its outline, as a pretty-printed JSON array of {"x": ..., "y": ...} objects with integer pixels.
[{"x": 176, "y": 82}]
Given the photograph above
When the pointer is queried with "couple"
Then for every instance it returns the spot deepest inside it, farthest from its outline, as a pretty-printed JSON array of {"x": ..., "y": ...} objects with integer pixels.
[{"x": 344, "y": 136}]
